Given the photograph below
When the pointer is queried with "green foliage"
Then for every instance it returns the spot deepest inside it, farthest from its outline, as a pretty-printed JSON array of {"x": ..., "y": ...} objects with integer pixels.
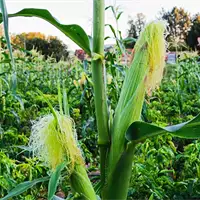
[
  {"x": 22, "y": 187},
  {"x": 179, "y": 23},
  {"x": 139, "y": 131},
  {"x": 17, "y": 114},
  {"x": 164, "y": 168},
  {"x": 6, "y": 30},
  {"x": 160, "y": 169},
  {"x": 178, "y": 96},
  {"x": 52, "y": 47},
  {"x": 194, "y": 33},
  {"x": 74, "y": 32},
  {"x": 54, "y": 180}
]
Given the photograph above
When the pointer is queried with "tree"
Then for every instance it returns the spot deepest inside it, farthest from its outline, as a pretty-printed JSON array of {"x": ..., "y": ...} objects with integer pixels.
[
  {"x": 179, "y": 23},
  {"x": 140, "y": 22},
  {"x": 194, "y": 33},
  {"x": 48, "y": 46},
  {"x": 52, "y": 47},
  {"x": 135, "y": 27},
  {"x": 20, "y": 39},
  {"x": 132, "y": 32}
]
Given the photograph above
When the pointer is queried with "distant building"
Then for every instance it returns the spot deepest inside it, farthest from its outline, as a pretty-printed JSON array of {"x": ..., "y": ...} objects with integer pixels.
[{"x": 171, "y": 58}]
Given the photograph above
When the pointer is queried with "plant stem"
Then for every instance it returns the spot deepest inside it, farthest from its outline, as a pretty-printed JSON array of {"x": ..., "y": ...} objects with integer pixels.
[
  {"x": 118, "y": 182},
  {"x": 98, "y": 75}
]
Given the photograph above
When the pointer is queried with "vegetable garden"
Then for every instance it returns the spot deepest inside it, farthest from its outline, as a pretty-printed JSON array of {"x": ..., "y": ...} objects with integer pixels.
[{"x": 98, "y": 129}]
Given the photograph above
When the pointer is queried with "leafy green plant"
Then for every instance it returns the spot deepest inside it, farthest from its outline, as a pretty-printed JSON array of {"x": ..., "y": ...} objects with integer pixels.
[{"x": 118, "y": 133}]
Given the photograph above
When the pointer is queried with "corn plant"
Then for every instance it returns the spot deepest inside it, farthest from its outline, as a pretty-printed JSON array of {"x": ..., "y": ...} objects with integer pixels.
[{"x": 53, "y": 137}]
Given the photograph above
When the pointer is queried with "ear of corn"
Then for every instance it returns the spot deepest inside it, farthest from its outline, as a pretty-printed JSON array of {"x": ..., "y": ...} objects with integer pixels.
[
  {"x": 147, "y": 66},
  {"x": 81, "y": 183},
  {"x": 55, "y": 141},
  {"x": 144, "y": 74}
]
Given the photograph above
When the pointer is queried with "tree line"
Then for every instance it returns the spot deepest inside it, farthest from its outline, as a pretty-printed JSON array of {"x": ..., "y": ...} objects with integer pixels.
[
  {"x": 183, "y": 30},
  {"x": 49, "y": 46}
]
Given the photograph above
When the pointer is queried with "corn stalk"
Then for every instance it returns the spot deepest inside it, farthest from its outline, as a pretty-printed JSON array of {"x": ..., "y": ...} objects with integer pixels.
[{"x": 98, "y": 74}]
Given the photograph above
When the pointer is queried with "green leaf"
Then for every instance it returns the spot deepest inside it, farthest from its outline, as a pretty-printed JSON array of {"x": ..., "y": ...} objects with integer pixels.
[
  {"x": 166, "y": 171},
  {"x": 106, "y": 8},
  {"x": 119, "y": 15},
  {"x": 49, "y": 104},
  {"x": 73, "y": 31},
  {"x": 151, "y": 197},
  {"x": 4, "y": 18},
  {"x": 22, "y": 187},
  {"x": 65, "y": 101},
  {"x": 112, "y": 29},
  {"x": 129, "y": 40},
  {"x": 139, "y": 130},
  {"x": 53, "y": 182},
  {"x": 119, "y": 44},
  {"x": 19, "y": 99},
  {"x": 107, "y": 37},
  {"x": 98, "y": 186},
  {"x": 60, "y": 97}
]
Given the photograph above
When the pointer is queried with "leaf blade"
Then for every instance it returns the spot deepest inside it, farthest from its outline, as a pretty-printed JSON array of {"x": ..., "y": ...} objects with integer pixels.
[
  {"x": 139, "y": 130},
  {"x": 4, "y": 18},
  {"x": 73, "y": 31},
  {"x": 53, "y": 182},
  {"x": 22, "y": 187},
  {"x": 119, "y": 15}
]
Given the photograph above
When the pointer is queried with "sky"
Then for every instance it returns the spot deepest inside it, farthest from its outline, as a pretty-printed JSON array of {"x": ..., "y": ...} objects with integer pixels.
[{"x": 80, "y": 12}]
